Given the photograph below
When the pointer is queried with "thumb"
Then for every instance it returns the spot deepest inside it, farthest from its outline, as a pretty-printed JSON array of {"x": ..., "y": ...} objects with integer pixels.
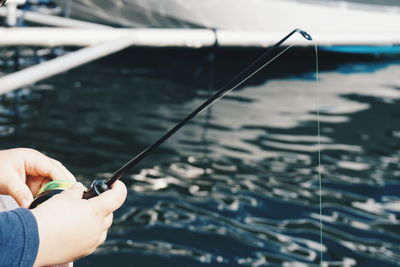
[
  {"x": 16, "y": 188},
  {"x": 112, "y": 199}
]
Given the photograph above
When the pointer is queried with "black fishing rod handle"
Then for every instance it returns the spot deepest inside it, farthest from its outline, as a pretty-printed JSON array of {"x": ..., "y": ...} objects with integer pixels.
[
  {"x": 96, "y": 188},
  {"x": 45, "y": 196}
]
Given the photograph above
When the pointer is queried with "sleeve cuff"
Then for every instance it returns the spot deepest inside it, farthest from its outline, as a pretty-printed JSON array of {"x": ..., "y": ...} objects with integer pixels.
[{"x": 30, "y": 234}]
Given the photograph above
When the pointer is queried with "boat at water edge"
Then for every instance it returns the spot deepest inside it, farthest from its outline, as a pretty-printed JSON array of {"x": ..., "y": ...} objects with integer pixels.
[{"x": 330, "y": 20}]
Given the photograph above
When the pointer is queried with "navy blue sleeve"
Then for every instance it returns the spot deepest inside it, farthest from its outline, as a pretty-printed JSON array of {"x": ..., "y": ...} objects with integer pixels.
[{"x": 19, "y": 238}]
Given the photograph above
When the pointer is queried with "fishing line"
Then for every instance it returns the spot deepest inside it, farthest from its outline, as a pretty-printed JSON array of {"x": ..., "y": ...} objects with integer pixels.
[
  {"x": 211, "y": 65},
  {"x": 319, "y": 150}
]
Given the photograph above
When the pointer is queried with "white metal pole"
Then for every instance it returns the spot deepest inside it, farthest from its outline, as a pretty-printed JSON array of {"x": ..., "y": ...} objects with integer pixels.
[
  {"x": 12, "y": 11},
  {"x": 45, "y": 36},
  {"x": 63, "y": 63},
  {"x": 51, "y": 20}
]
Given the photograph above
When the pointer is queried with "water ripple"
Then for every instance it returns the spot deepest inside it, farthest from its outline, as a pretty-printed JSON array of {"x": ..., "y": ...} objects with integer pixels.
[{"x": 238, "y": 186}]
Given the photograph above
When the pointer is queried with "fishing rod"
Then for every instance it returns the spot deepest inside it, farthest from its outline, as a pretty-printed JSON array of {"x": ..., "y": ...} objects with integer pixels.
[{"x": 99, "y": 186}]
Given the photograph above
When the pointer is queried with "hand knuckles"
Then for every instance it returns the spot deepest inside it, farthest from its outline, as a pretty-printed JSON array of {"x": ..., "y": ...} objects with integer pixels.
[
  {"x": 59, "y": 164},
  {"x": 29, "y": 152},
  {"x": 103, "y": 238},
  {"x": 93, "y": 245},
  {"x": 91, "y": 250},
  {"x": 17, "y": 192},
  {"x": 108, "y": 221}
]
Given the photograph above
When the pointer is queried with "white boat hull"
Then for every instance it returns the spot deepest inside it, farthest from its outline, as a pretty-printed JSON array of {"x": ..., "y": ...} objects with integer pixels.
[{"x": 270, "y": 16}]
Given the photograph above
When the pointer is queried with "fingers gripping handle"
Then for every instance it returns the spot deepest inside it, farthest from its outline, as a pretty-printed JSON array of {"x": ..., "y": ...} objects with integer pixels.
[
  {"x": 96, "y": 188},
  {"x": 55, "y": 187}
]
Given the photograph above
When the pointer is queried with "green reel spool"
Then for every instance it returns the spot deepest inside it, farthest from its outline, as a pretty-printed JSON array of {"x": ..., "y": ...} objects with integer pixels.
[{"x": 50, "y": 189}]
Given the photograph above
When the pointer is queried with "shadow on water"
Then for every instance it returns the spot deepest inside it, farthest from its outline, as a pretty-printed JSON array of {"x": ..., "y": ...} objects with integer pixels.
[{"x": 237, "y": 186}]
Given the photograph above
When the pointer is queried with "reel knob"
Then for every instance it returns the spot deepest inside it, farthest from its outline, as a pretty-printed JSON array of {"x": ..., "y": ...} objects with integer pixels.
[{"x": 96, "y": 188}]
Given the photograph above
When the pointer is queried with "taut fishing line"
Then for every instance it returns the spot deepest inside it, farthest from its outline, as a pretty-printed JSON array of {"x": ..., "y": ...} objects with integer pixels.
[{"x": 319, "y": 170}]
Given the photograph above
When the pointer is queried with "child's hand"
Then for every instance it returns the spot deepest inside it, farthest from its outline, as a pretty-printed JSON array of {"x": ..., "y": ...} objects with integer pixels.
[
  {"x": 71, "y": 227},
  {"x": 23, "y": 171}
]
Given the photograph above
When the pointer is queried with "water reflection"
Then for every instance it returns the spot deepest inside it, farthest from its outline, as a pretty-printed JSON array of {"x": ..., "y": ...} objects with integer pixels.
[{"x": 237, "y": 186}]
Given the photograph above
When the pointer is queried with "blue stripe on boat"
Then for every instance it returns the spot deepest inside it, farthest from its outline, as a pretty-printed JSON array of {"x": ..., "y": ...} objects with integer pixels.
[{"x": 382, "y": 50}]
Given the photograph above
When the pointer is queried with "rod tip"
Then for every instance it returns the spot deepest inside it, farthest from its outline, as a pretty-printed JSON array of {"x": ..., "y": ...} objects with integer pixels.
[{"x": 305, "y": 34}]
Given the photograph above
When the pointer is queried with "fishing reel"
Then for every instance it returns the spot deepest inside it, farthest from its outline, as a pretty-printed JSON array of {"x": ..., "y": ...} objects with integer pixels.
[{"x": 57, "y": 186}]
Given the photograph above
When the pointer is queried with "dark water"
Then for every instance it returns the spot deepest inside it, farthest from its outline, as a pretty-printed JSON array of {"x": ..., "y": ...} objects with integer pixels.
[{"x": 238, "y": 186}]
